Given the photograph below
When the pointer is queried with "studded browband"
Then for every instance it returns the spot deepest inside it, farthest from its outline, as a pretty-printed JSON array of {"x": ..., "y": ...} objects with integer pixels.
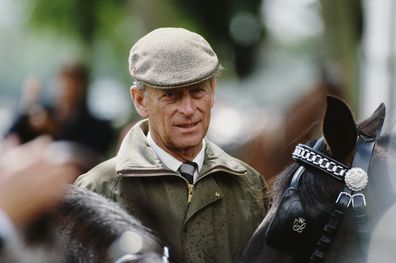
[{"x": 355, "y": 178}]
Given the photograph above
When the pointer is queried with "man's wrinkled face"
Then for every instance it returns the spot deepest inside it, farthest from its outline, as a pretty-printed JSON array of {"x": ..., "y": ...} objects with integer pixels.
[{"x": 179, "y": 118}]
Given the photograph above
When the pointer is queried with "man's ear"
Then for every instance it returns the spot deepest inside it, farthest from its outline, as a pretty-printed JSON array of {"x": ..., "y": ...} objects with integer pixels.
[
  {"x": 139, "y": 101},
  {"x": 213, "y": 96}
]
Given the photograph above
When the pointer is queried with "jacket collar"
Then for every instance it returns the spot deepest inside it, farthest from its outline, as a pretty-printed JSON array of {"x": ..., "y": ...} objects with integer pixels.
[{"x": 135, "y": 155}]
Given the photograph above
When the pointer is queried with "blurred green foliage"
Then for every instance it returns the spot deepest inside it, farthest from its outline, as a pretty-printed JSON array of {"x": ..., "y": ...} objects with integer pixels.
[
  {"x": 106, "y": 29},
  {"x": 214, "y": 17},
  {"x": 81, "y": 19},
  {"x": 344, "y": 25},
  {"x": 89, "y": 21}
]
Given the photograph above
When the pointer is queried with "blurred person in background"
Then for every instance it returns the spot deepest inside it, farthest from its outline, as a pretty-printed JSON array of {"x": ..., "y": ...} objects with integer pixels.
[
  {"x": 40, "y": 214},
  {"x": 31, "y": 92},
  {"x": 67, "y": 118},
  {"x": 31, "y": 182},
  {"x": 203, "y": 203}
]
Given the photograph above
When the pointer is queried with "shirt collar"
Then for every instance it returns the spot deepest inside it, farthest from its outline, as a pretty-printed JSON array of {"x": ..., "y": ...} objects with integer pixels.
[{"x": 170, "y": 161}]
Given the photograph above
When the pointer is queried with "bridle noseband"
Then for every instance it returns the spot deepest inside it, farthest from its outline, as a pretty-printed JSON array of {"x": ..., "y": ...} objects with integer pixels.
[{"x": 292, "y": 231}]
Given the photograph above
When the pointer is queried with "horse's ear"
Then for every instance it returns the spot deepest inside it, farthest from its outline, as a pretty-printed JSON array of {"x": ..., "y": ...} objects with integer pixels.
[
  {"x": 339, "y": 128},
  {"x": 372, "y": 125}
]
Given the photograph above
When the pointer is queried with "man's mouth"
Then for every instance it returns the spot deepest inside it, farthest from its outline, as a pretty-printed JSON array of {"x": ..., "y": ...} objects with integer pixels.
[{"x": 187, "y": 125}]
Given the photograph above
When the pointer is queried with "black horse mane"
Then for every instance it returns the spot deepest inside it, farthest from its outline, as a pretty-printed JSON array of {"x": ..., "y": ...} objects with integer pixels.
[
  {"x": 86, "y": 218},
  {"x": 82, "y": 228}
]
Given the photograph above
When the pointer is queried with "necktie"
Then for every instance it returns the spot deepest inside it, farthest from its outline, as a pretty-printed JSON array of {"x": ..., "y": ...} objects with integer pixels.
[{"x": 187, "y": 171}]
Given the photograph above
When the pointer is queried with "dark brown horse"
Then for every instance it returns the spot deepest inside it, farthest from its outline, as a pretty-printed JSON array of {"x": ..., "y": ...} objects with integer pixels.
[{"x": 315, "y": 195}]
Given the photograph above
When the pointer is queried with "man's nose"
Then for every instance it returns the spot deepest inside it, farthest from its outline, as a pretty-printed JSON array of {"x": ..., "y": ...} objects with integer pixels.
[{"x": 187, "y": 104}]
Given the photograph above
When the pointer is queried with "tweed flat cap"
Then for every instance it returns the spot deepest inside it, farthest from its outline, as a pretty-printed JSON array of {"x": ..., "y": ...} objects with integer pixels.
[{"x": 172, "y": 57}]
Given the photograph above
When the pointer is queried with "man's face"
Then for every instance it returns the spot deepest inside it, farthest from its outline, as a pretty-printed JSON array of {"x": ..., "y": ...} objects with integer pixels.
[{"x": 179, "y": 118}]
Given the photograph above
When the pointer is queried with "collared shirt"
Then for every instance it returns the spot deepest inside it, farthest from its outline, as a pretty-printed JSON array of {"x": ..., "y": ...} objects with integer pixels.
[{"x": 171, "y": 162}]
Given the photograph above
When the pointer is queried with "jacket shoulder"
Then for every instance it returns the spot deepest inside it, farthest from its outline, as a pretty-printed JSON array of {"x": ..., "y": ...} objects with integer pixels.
[
  {"x": 251, "y": 177},
  {"x": 100, "y": 179},
  {"x": 254, "y": 174}
]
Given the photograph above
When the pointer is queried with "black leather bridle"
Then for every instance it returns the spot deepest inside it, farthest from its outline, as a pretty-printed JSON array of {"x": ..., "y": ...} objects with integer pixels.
[{"x": 293, "y": 232}]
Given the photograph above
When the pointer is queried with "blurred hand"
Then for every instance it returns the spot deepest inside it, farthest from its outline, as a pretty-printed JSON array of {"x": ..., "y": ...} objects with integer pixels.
[
  {"x": 30, "y": 183},
  {"x": 40, "y": 121}
]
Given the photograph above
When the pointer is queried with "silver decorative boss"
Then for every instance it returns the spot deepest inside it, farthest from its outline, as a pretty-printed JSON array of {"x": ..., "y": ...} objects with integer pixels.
[{"x": 356, "y": 179}]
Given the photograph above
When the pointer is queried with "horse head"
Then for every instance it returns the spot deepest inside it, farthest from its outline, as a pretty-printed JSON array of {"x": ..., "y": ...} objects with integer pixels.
[{"x": 323, "y": 207}]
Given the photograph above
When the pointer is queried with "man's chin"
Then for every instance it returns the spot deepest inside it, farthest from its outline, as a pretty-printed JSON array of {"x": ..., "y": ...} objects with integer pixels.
[{"x": 189, "y": 144}]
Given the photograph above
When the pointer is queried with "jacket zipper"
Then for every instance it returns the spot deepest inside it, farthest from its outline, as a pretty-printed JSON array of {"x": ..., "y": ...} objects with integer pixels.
[{"x": 190, "y": 193}]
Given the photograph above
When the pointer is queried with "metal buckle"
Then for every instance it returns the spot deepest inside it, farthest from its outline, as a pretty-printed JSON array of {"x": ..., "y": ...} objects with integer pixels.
[
  {"x": 358, "y": 195},
  {"x": 344, "y": 194},
  {"x": 366, "y": 137}
]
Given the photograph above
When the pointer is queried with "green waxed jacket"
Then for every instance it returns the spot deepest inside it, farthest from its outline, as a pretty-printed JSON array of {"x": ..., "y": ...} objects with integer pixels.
[{"x": 210, "y": 221}]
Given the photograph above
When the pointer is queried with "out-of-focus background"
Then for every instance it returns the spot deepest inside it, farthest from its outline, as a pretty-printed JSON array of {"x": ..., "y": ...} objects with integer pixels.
[{"x": 280, "y": 57}]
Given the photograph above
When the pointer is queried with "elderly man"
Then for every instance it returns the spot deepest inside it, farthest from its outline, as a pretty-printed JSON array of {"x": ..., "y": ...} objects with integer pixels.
[{"x": 202, "y": 203}]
